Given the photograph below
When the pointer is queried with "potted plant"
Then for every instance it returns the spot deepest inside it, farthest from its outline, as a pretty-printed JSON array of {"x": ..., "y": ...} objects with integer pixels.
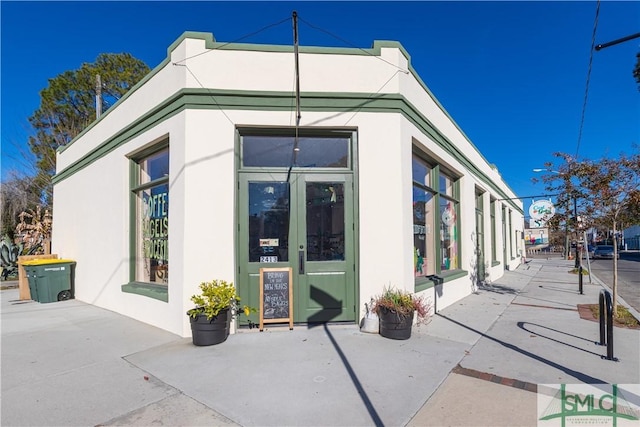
[
  {"x": 216, "y": 305},
  {"x": 396, "y": 308}
]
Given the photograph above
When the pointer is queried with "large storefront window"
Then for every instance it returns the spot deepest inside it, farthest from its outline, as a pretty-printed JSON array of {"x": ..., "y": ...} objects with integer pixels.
[
  {"x": 424, "y": 256},
  {"x": 448, "y": 234},
  {"x": 152, "y": 219},
  {"x": 494, "y": 248},
  {"x": 435, "y": 220}
]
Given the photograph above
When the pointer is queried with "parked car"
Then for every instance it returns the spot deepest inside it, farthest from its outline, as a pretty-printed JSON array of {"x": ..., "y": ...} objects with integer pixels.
[
  {"x": 590, "y": 250},
  {"x": 604, "y": 251}
]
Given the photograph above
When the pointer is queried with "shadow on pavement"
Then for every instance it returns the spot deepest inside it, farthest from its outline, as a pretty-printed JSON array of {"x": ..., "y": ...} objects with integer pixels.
[
  {"x": 499, "y": 289},
  {"x": 522, "y": 326},
  {"x": 553, "y": 288},
  {"x": 578, "y": 375},
  {"x": 363, "y": 394}
]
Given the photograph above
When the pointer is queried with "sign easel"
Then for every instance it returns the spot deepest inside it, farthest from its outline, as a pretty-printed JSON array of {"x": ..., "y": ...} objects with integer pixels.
[{"x": 276, "y": 296}]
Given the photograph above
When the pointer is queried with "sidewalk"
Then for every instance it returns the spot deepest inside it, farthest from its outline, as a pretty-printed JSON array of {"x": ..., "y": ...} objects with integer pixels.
[{"x": 69, "y": 363}]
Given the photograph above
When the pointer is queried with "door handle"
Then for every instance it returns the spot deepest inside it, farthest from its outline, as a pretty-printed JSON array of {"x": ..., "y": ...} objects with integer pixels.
[{"x": 301, "y": 261}]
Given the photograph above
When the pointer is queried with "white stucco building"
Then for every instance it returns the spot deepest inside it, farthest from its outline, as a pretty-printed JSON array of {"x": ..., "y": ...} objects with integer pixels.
[{"x": 200, "y": 172}]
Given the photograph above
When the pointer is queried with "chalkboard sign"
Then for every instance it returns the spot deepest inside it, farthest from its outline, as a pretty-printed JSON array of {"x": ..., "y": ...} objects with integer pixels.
[{"x": 276, "y": 296}]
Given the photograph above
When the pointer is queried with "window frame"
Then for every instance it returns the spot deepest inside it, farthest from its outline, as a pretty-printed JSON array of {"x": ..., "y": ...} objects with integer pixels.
[
  {"x": 148, "y": 289},
  {"x": 286, "y": 132},
  {"x": 436, "y": 172}
]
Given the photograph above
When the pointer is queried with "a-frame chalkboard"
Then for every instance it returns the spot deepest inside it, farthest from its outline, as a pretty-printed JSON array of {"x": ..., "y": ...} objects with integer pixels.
[{"x": 276, "y": 296}]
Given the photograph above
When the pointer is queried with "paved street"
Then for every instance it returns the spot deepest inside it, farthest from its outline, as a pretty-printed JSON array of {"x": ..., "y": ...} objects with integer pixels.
[
  {"x": 628, "y": 276},
  {"x": 628, "y": 273}
]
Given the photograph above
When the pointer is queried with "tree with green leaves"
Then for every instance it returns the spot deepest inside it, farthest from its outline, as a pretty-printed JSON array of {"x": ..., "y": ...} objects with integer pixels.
[
  {"x": 68, "y": 106},
  {"x": 605, "y": 192}
]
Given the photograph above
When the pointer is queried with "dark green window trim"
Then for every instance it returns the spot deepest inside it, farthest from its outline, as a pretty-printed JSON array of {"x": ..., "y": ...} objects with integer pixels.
[
  {"x": 448, "y": 276},
  {"x": 494, "y": 263},
  {"x": 423, "y": 284},
  {"x": 194, "y": 98},
  {"x": 305, "y": 132},
  {"x": 158, "y": 292},
  {"x": 494, "y": 249},
  {"x": 436, "y": 170},
  {"x": 511, "y": 235},
  {"x": 453, "y": 275}
]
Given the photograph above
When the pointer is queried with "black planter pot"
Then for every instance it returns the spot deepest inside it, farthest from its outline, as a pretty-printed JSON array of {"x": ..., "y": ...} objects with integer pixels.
[
  {"x": 210, "y": 331},
  {"x": 394, "y": 325}
]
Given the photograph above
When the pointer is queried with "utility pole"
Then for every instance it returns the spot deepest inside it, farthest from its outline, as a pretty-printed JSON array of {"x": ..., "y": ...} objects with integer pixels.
[
  {"x": 620, "y": 40},
  {"x": 575, "y": 212},
  {"x": 98, "y": 97}
]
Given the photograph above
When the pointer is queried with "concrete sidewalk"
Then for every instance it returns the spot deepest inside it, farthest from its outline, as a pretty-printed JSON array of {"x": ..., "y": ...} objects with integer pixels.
[{"x": 69, "y": 363}]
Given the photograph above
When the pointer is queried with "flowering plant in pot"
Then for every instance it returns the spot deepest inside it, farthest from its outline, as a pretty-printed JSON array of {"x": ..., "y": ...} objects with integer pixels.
[
  {"x": 396, "y": 308},
  {"x": 216, "y": 305}
]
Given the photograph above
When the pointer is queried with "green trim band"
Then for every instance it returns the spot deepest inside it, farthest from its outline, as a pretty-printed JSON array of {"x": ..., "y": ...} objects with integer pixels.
[
  {"x": 279, "y": 101},
  {"x": 210, "y": 43},
  {"x": 423, "y": 286},
  {"x": 448, "y": 276},
  {"x": 494, "y": 263},
  {"x": 453, "y": 275},
  {"x": 158, "y": 292}
]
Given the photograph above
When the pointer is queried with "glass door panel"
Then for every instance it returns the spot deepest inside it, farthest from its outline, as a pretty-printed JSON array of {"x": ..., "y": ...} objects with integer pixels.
[
  {"x": 268, "y": 221},
  {"x": 325, "y": 221}
]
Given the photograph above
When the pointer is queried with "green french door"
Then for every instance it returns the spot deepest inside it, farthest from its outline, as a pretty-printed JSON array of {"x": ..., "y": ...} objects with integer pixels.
[{"x": 304, "y": 222}]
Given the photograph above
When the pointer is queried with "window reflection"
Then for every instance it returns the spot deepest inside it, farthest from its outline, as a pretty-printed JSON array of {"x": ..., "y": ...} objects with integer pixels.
[
  {"x": 152, "y": 219},
  {"x": 268, "y": 221},
  {"x": 448, "y": 235},
  {"x": 325, "y": 221},
  {"x": 278, "y": 151},
  {"x": 423, "y": 239}
]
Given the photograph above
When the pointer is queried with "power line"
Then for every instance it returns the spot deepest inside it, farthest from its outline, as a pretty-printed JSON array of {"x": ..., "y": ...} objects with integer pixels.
[
  {"x": 275, "y": 24},
  {"x": 352, "y": 45},
  {"x": 586, "y": 89},
  {"x": 208, "y": 90}
]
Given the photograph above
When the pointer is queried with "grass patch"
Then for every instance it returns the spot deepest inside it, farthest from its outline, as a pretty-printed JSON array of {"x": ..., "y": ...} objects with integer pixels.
[
  {"x": 622, "y": 316},
  {"x": 585, "y": 272}
]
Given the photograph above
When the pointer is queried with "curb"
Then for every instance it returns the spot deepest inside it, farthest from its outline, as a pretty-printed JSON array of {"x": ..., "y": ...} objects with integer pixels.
[{"x": 510, "y": 382}]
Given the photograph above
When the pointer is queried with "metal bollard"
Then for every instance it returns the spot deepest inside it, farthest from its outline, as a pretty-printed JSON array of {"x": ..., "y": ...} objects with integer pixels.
[
  {"x": 605, "y": 299},
  {"x": 580, "y": 279}
]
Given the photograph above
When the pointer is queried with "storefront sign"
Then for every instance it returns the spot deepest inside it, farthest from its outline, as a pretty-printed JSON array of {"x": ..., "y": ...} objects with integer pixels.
[
  {"x": 542, "y": 209},
  {"x": 276, "y": 296}
]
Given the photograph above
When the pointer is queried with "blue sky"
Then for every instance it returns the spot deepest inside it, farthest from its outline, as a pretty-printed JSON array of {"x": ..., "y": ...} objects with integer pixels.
[{"x": 509, "y": 73}]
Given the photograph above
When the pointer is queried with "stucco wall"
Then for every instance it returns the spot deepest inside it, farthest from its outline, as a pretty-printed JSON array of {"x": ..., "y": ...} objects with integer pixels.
[
  {"x": 91, "y": 226},
  {"x": 91, "y": 212}
]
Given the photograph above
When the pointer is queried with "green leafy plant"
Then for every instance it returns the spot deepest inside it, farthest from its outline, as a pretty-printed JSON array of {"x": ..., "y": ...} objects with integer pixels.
[
  {"x": 402, "y": 303},
  {"x": 216, "y": 296}
]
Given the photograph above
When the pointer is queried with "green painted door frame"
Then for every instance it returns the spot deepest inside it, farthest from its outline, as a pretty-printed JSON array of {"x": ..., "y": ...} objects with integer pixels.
[{"x": 304, "y": 220}]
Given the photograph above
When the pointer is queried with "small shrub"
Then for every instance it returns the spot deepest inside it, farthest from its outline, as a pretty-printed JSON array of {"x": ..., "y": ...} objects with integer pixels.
[
  {"x": 403, "y": 303},
  {"x": 216, "y": 296}
]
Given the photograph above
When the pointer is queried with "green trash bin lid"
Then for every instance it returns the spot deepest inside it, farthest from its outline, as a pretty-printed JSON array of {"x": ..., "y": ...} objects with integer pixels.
[{"x": 47, "y": 261}]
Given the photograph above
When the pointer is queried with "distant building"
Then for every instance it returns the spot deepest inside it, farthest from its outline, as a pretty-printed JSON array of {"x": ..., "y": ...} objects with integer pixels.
[
  {"x": 200, "y": 172},
  {"x": 536, "y": 236},
  {"x": 631, "y": 237}
]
